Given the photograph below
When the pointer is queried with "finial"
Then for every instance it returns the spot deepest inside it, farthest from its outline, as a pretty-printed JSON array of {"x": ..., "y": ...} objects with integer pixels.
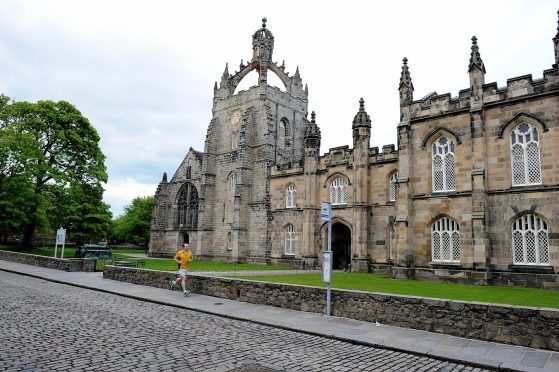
[
  {"x": 405, "y": 60},
  {"x": 475, "y": 57},
  {"x": 264, "y": 20},
  {"x": 558, "y": 21},
  {"x": 361, "y": 104},
  {"x": 164, "y": 177},
  {"x": 215, "y": 86},
  {"x": 313, "y": 116}
]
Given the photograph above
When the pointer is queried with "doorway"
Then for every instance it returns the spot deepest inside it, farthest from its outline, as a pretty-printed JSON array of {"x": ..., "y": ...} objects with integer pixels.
[{"x": 341, "y": 246}]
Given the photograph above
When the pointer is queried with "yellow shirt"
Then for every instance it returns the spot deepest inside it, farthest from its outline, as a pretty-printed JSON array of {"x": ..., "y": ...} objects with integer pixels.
[{"x": 184, "y": 257}]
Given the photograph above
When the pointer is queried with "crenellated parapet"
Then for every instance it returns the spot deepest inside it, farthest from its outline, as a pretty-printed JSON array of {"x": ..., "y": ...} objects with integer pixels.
[{"x": 479, "y": 94}]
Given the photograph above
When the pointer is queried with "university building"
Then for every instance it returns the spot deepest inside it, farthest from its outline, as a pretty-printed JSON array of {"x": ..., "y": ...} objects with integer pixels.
[{"x": 471, "y": 193}]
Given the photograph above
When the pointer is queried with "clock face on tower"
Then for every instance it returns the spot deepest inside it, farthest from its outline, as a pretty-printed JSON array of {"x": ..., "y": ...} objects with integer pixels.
[{"x": 235, "y": 118}]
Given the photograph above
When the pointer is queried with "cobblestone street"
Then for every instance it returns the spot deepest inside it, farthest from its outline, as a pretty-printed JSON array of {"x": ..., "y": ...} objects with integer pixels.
[{"x": 49, "y": 326}]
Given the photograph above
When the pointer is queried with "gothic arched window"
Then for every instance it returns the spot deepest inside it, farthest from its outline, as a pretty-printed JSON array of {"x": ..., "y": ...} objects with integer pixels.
[
  {"x": 445, "y": 240},
  {"x": 235, "y": 140},
  {"x": 444, "y": 165},
  {"x": 530, "y": 241},
  {"x": 188, "y": 206},
  {"x": 338, "y": 191},
  {"x": 525, "y": 156},
  {"x": 392, "y": 186},
  {"x": 290, "y": 196},
  {"x": 290, "y": 240},
  {"x": 232, "y": 181}
]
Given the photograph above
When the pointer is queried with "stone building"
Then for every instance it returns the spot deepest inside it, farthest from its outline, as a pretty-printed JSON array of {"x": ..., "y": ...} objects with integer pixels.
[{"x": 470, "y": 193}]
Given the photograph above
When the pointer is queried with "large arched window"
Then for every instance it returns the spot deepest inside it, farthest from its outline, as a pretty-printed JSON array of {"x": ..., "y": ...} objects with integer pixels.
[
  {"x": 290, "y": 240},
  {"x": 392, "y": 186},
  {"x": 530, "y": 241},
  {"x": 291, "y": 197},
  {"x": 338, "y": 191},
  {"x": 284, "y": 134},
  {"x": 445, "y": 241},
  {"x": 525, "y": 156},
  {"x": 188, "y": 206},
  {"x": 444, "y": 165}
]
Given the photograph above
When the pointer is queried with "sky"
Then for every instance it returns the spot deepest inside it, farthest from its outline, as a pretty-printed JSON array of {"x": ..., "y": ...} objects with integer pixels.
[{"x": 143, "y": 71}]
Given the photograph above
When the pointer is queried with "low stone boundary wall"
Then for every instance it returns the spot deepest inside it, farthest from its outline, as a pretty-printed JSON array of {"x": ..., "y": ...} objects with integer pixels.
[
  {"x": 72, "y": 264},
  {"x": 524, "y": 326}
]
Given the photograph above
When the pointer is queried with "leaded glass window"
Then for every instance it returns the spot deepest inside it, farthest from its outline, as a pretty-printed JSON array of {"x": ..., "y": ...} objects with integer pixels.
[
  {"x": 444, "y": 165},
  {"x": 445, "y": 240},
  {"x": 187, "y": 206},
  {"x": 530, "y": 243},
  {"x": 338, "y": 191},
  {"x": 392, "y": 186},
  {"x": 290, "y": 240},
  {"x": 291, "y": 197},
  {"x": 525, "y": 156}
]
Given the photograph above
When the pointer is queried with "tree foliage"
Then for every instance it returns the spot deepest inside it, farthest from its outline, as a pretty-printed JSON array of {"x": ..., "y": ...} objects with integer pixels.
[
  {"x": 49, "y": 160},
  {"x": 133, "y": 226}
]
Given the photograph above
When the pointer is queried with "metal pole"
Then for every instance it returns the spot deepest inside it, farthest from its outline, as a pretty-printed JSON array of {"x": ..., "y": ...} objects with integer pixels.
[
  {"x": 329, "y": 286},
  {"x": 62, "y": 249},
  {"x": 55, "y": 248}
]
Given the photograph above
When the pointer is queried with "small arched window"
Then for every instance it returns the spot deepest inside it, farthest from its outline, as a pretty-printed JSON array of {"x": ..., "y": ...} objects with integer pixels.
[
  {"x": 291, "y": 197},
  {"x": 530, "y": 241},
  {"x": 290, "y": 240},
  {"x": 229, "y": 241},
  {"x": 445, "y": 241},
  {"x": 392, "y": 186},
  {"x": 525, "y": 156},
  {"x": 235, "y": 140},
  {"x": 338, "y": 191},
  {"x": 232, "y": 181},
  {"x": 444, "y": 165}
]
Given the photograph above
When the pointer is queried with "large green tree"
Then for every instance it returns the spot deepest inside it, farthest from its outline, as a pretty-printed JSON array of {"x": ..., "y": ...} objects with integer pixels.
[
  {"x": 133, "y": 226},
  {"x": 50, "y": 146}
]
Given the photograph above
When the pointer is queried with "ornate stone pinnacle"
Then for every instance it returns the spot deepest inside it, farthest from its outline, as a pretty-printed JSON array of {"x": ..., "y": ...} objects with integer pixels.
[
  {"x": 475, "y": 57},
  {"x": 313, "y": 116},
  {"x": 405, "y": 60},
  {"x": 361, "y": 104},
  {"x": 264, "y": 20}
]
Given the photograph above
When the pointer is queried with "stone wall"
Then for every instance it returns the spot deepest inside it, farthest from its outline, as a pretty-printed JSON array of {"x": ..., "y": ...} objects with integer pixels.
[
  {"x": 72, "y": 264},
  {"x": 524, "y": 326}
]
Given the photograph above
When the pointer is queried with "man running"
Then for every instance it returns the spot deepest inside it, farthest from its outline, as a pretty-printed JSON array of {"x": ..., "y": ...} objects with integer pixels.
[{"x": 183, "y": 258}]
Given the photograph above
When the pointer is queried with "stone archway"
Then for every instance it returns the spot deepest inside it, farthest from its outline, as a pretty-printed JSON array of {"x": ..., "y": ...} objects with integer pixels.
[{"x": 341, "y": 246}]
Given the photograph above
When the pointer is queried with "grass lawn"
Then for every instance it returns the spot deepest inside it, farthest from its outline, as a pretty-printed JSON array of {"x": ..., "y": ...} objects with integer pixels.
[
  {"x": 382, "y": 283},
  {"x": 150, "y": 263},
  {"x": 171, "y": 265}
]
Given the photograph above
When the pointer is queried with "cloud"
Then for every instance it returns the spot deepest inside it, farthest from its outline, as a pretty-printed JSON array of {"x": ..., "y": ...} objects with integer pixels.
[
  {"x": 143, "y": 72},
  {"x": 121, "y": 192}
]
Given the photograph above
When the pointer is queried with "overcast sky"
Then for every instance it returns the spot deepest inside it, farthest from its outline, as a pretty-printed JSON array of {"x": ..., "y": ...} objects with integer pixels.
[{"x": 143, "y": 71}]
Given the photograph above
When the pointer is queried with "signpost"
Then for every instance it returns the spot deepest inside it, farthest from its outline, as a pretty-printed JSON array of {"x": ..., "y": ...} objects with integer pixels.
[
  {"x": 326, "y": 215},
  {"x": 60, "y": 239}
]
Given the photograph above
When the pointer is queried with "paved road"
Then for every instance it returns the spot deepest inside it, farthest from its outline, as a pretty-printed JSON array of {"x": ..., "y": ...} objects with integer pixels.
[{"x": 50, "y": 326}]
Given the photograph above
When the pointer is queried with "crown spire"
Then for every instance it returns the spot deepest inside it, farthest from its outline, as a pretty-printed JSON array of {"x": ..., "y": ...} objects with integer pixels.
[{"x": 475, "y": 57}]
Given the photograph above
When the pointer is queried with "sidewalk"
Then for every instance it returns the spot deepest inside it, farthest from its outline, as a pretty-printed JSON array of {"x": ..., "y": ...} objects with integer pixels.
[{"x": 472, "y": 352}]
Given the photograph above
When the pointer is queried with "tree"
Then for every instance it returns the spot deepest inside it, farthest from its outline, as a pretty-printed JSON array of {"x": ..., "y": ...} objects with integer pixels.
[
  {"x": 133, "y": 226},
  {"x": 80, "y": 208},
  {"x": 49, "y": 146}
]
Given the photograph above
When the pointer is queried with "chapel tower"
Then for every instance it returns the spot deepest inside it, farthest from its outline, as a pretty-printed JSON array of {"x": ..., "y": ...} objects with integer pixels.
[{"x": 250, "y": 132}]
